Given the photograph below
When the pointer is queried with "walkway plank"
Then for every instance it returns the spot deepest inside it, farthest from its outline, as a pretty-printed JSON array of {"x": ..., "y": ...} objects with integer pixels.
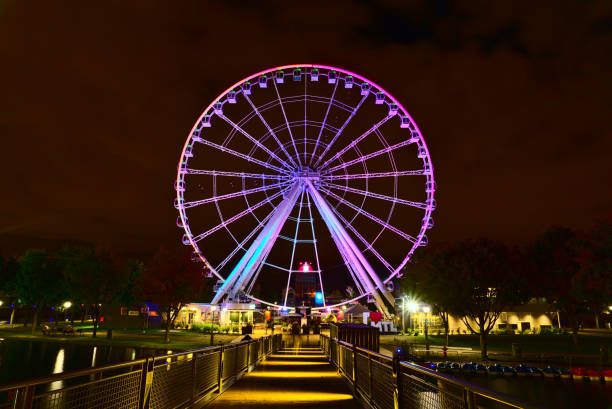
[{"x": 292, "y": 377}]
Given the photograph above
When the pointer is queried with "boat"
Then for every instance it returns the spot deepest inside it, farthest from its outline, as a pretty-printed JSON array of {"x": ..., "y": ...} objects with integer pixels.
[
  {"x": 579, "y": 373},
  {"x": 594, "y": 375},
  {"x": 551, "y": 372},
  {"x": 522, "y": 370},
  {"x": 481, "y": 369},
  {"x": 565, "y": 374},
  {"x": 507, "y": 371},
  {"x": 535, "y": 371},
  {"x": 495, "y": 369}
]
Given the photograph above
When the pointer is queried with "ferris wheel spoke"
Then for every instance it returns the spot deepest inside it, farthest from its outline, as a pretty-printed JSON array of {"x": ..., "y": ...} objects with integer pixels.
[
  {"x": 187, "y": 205},
  {"x": 353, "y": 143},
  {"x": 280, "y": 103},
  {"x": 190, "y": 171},
  {"x": 331, "y": 100},
  {"x": 346, "y": 245},
  {"x": 417, "y": 205},
  {"x": 316, "y": 251},
  {"x": 242, "y": 156},
  {"x": 349, "y": 176},
  {"x": 270, "y": 130},
  {"x": 369, "y": 155},
  {"x": 367, "y": 245},
  {"x": 240, "y": 246},
  {"x": 327, "y": 148},
  {"x": 370, "y": 216},
  {"x": 237, "y": 216},
  {"x": 295, "y": 236},
  {"x": 255, "y": 141}
]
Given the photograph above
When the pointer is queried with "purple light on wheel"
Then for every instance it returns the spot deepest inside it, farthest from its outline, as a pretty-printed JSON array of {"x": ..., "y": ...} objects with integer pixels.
[{"x": 291, "y": 151}]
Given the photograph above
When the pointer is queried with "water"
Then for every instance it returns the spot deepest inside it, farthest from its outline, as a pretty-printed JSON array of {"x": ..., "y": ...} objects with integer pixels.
[
  {"x": 549, "y": 393},
  {"x": 28, "y": 359}
]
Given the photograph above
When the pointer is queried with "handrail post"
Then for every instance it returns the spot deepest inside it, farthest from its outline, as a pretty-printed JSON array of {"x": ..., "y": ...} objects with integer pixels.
[
  {"x": 248, "y": 359},
  {"x": 194, "y": 378},
  {"x": 146, "y": 383},
  {"x": 354, "y": 348},
  {"x": 370, "y": 376},
  {"x": 24, "y": 397},
  {"x": 468, "y": 397},
  {"x": 397, "y": 377},
  {"x": 220, "y": 375}
]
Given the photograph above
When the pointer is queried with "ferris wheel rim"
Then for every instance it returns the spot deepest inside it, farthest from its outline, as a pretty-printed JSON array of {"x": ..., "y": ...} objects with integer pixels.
[{"x": 404, "y": 112}]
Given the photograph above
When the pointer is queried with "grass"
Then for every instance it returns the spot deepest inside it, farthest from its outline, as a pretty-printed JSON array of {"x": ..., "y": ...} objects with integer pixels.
[{"x": 179, "y": 339}]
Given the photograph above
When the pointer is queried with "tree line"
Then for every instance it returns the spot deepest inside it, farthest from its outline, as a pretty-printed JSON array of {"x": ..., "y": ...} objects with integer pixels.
[
  {"x": 478, "y": 279},
  {"x": 98, "y": 277}
]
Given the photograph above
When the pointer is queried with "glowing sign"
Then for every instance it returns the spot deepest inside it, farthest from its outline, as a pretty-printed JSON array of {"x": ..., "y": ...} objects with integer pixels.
[{"x": 305, "y": 267}]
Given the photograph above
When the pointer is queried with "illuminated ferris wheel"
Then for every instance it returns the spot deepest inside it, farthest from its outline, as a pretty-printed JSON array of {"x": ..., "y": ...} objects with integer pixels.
[{"x": 304, "y": 163}]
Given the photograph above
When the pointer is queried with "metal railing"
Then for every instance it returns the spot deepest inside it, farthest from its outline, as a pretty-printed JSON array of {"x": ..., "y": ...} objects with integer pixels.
[
  {"x": 168, "y": 381},
  {"x": 386, "y": 383}
]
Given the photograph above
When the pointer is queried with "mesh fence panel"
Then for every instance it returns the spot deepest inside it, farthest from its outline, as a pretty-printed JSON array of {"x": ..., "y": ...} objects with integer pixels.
[
  {"x": 207, "y": 371},
  {"x": 347, "y": 361},
  {"x": 241, "y": 358},
  {"x": 253, "y": 353},
  {"x": 120, "y": 391},
  {"x": 229, "y": 362},
  {"x": 382, "y": 385},
  {"x": 333, "y": 352},
  {"x": 172, "y": 384},
  {"x": 418, "y": 393},
  {"x": 362, "y": 374}
]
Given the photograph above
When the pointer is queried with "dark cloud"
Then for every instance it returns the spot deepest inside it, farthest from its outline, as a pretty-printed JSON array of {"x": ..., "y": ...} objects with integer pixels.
[{"x": 97, "y": 98}]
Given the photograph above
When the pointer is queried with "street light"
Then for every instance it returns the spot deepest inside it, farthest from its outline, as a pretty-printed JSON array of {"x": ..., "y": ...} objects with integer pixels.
[
  {"x": 67, "y": 304},
  {"x": 1, "y": 302},
  {"x": 426, "y": 310}
]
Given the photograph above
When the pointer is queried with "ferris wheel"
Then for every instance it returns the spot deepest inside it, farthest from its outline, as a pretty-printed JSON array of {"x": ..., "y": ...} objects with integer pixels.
[{"x": 304, "y": 163}]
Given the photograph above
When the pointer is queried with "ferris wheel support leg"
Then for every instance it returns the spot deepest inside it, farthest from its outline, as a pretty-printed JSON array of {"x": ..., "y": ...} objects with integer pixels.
[
  {"x": 347, "y": 246},
  {"x": 259, "y": 249}
]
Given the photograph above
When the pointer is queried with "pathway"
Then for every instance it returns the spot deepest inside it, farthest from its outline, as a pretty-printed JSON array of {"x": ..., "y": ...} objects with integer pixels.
[{"x": 291, "y": 377}]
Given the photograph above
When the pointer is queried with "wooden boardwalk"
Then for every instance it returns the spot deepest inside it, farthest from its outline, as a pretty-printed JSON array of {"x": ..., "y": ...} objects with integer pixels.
[{"x": 290, "y": 378}]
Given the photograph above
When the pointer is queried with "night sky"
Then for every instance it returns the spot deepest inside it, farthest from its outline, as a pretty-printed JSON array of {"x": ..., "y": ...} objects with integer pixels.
[{"x": 97, "y": 98}]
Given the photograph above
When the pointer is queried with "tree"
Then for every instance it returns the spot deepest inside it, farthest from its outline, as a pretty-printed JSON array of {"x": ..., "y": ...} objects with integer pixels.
[
  {"x": 592, "y": 282},
  {"x": 553, "y": 265},
  {"x": 429, "y": 278},
  {"x": 475, "y": 279},
  {"x": 96, "y": 276},
  {"x": 171, "y": 280},
  {"x": 9, "y": 267},
  {"x": 39, "y": 281}
]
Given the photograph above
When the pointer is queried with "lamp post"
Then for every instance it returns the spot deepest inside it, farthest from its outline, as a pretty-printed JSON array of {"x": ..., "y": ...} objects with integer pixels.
[
  {"x": 426, "y": 310},
  {"x": 403, "y": 314}
]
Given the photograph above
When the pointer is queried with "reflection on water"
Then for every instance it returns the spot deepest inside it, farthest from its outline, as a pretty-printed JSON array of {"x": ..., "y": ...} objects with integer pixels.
[
  {"x": 93, "y": 356},
  {"x": 28, "y": 359},
  {"x": 57, "y": 368},
  {"x": 550, "y": 393}
]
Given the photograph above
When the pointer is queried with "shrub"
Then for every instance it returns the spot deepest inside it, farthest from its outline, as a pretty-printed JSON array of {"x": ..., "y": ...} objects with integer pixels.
[
  {"x": 235, "y": 329},
  {"x": 196, "y": 327}
]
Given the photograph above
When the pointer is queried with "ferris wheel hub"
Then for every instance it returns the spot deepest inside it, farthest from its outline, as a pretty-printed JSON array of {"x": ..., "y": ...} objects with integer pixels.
[{"x": 306, "y": 173}]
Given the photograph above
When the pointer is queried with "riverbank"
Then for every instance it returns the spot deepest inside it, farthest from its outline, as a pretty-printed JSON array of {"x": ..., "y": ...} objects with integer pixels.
[{"x": 558, "y": 350}]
